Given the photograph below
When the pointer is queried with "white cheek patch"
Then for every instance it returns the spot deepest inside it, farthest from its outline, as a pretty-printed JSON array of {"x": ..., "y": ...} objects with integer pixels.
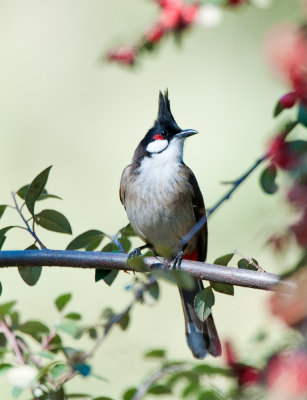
[{"x": 157, "y": 146}]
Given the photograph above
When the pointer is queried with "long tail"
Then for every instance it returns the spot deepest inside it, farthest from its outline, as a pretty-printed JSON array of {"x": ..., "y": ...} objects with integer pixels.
[{"x": 202, "y": 337}]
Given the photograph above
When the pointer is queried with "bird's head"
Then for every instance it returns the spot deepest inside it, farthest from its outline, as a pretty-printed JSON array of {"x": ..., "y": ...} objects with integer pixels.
[{"x": 165, "y": 130}]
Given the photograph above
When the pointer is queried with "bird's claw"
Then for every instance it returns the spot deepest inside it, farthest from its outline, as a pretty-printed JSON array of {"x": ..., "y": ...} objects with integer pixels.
[
  {"x": 135, "y": 253},
  {"x": 177, "y": 261}
]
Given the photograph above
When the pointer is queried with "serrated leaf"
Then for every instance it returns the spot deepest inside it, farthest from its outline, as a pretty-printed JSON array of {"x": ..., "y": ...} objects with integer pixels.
[
  {"x": 159, "y": 389},
  {"x": 267, "y": 179},
  {"x": 85, "y": 239},
  {"x": 129, "y": 393},
  {"x": 35, "y": 189},
  {"x": 53, "y": 221},
  {"x": 225, "y": 288},
  {"x": 34, "y": 328},
  {"x": 155, "y": 353},
  {"x": 2, "y": 209},
  {"x": 5, "y": 308},
  {"x": 224, "y": 260},
  {"x": 203, "y": 303},
  {"x": 243, "y": 263},
  {"x": 73, "y": 315},
  {"x": 30, "y": 275},
  {"x": 62, "y": 301}
]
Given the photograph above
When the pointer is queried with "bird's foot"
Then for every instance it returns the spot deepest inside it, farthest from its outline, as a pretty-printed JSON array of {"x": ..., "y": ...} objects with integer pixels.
[
  {"x": 135, "y": 253},
  {"x": 177, "y": 261}
]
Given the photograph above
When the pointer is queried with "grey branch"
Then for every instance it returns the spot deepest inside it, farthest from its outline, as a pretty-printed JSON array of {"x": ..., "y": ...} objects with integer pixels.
[{"x": 118, "y": 261}]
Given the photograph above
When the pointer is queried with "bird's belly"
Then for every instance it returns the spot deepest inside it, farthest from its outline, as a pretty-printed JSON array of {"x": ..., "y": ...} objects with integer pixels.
[{"x": 161, "y": 218}]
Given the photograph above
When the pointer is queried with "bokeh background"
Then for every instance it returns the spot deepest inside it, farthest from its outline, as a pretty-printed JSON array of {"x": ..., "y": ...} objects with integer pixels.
[{"x": 62, "y": 105}]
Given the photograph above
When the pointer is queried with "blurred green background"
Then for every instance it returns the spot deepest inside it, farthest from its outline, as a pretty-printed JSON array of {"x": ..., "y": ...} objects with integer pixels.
[{"x": 62, "y": 105}]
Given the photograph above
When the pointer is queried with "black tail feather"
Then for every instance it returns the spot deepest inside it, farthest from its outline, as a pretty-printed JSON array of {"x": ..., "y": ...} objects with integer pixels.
[{"x": 202, "y": 337}]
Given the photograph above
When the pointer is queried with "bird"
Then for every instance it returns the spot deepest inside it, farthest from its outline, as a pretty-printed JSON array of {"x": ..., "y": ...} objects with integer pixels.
[{"x": 163, "y": 202}]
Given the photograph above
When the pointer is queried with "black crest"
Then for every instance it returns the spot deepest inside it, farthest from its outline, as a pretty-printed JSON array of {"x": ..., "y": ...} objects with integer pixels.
[{"x": 165, "y": 117}]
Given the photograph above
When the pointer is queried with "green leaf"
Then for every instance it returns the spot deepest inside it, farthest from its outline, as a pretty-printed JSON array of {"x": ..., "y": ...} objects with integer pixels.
[
  {"x": 278, "y": 109},
  {"x": 126, "y": 244},
  {"x": 154, "y": 290},
  {"x": 5, "y": 308},
  {"x": 224, "y": 260},
  {"x": 62, "y": 301},
  {"x": 93, "y": 333},
  {"x": 243, "y": 263},
  {"x": 159, "y": 389},
  {"x": 102, "y": 398},
  {"x": 302, "y": 115},
  {"x": 206, "y": 369},
  {"x": 203, "y": 303},
  {"x": 30, "y": 275},
  {"x": 208, "y": 395},
  {"x": 124, "y": 322},
  {"x": 225, "y": 288},
  {"x": 0, "y": 288},
  {"x": 34, "y": 328},
  {"x": 137, "y": 263},
  {"x": 4, "y": 368},
  {"x": 190, "y": 389},
  {"x": 181, "y": 278},
  {"x": 155, "y": 353},
  {"x": 35, "y": 189},
  {"x": 6, "y": 229},
  {"x": 59, "y": 370},
  {"x": 23, "y": 191},
  {"x": 46, "y": 195},
  {"x": 267, "y": 179},
  {"x": 53, "y": 221},
  {"x": 73, "y": 315},
  {"x": 110, "y": 248},
  {"x": 2, "y": 240},
  {"x": 106, "y": 275},
  {"x": 69, "y": 327},
  {"x": 2, "y": 209},
  {"x": 127, "y": 231},
  {"x": 85, "y": 239},
  {"x": 129, "y": 393}
]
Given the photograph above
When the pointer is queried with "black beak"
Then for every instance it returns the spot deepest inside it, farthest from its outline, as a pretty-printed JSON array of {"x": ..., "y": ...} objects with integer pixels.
[{"x": 185, "y": 133}]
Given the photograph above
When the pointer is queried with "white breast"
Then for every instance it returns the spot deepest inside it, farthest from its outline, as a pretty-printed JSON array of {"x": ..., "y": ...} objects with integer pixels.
[{"x": 158, "y": 201}]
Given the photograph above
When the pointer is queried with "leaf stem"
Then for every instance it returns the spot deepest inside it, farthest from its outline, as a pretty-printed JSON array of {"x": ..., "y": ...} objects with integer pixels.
[{"x": 42, "y": 246}]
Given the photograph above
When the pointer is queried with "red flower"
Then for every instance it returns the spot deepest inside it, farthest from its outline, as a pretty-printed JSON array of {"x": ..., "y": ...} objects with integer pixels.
[
  {"x": 235, "y": 3},
  {"x": 123, "y": 54},
  {"x": 300, "y": 230},
  {"x": 286, "y": 375},
  {"x": 246, "y": 374},
  {"x": 288, "y": 100},
  {"x": 280, "y": 153},
  {"x": 176, "y": 15},
  {"x": 154, "y": 34}
]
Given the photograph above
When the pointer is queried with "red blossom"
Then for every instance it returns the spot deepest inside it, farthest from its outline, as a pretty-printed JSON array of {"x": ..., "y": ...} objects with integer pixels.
[
  {"x": 297, "y": 195},
  {"x": 176, "y": 15},
  {"x": 154, "y": 34},
  {"x": 280, "y": 153},
  {"x": 288, "y": 100},
  {"x": 300, "y": 230},
  {"x": 286, "y": 375},
  {"x": 236, "y": 3},
  {"x": 246, "y": 374},
  {"x": 286, "y": 52},
  {"x": 123, "y": 54}
]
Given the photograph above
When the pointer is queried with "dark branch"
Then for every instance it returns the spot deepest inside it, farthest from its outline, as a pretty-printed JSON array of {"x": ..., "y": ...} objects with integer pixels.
[{"x": 118, "y": 261}]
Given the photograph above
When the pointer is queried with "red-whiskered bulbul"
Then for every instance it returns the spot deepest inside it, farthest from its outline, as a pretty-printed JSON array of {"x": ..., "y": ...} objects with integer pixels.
[{"x": 163, "y": 202}]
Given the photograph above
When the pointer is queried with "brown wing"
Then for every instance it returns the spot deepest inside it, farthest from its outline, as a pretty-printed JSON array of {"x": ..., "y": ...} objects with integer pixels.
[
  {"x": 199, "y": 211},
  {"x": 123, "y": 183}
]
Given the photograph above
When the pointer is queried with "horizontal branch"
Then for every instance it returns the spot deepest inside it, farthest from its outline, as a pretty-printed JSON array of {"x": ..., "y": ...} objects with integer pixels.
[{"x": 118, "y": 261}]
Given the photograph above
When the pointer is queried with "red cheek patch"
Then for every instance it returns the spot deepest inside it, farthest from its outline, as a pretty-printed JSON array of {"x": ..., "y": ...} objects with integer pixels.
[{"x": 158, "y": 137}]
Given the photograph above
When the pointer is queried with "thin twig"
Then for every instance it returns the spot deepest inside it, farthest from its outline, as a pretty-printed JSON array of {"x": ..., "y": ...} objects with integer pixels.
[
  {"x": 12, "y": 339},
  {"x": 142, "y": 390},
  {"x": 235, "y": 185},
  {"x": 42, "y": 246}
]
